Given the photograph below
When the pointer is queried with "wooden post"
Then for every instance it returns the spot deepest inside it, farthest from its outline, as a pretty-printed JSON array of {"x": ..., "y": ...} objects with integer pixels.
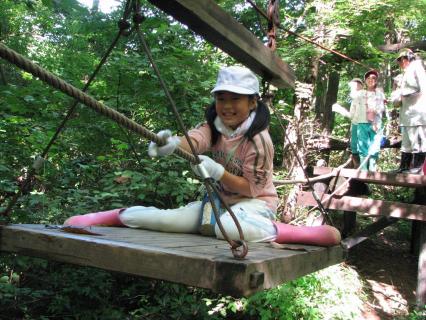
[{"x": 421, "y": 271}]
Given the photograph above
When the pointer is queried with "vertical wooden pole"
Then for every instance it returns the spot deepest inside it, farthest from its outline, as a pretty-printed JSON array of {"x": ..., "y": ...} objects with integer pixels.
[{"x": 421, "y": 271}]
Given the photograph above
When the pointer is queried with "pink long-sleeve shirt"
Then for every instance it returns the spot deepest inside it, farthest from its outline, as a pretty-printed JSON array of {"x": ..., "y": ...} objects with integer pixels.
[{"x": 252, "y": 160}]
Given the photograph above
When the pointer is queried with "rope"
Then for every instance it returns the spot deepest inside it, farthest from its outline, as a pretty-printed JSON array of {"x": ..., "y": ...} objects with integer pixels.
[
  {"x": 281, "y": 183},
  {"x": 49, "y": 78}
]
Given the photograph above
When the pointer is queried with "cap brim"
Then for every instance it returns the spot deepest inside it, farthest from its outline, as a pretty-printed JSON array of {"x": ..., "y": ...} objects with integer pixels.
[
  {"x": 234, "y": 89},
  {"x": 397, "y": 58}
]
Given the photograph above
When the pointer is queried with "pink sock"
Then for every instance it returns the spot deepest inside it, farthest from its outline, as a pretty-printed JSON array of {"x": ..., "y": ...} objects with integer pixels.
[
  {"x": 107, "y": 218},
  {"x": 318, "y": 235}
]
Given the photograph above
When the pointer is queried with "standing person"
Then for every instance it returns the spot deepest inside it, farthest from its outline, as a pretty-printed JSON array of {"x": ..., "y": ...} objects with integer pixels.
[
  {"x": 355, "y": 86},
  {"x": 366, "y": 110},
  {"x": 412, "y": 116},
  {"x": 236, "y": 135}
]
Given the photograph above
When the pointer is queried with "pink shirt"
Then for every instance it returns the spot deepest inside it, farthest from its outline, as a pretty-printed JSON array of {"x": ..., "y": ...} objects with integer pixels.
[{"x": 252, "y": 160}]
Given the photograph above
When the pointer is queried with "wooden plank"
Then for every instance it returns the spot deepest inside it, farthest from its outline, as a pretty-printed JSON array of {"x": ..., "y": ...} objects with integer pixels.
[
  {"x": 367, "y": 206},
  {"x": 189, "y": 259},
  {"x": 371, "y": 229},
  {"x": 383, "y": 178},
  {"x": 208, "y": 19}
]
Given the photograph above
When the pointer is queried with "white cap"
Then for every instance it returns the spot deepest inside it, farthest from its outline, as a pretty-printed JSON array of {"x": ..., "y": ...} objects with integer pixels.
[{"x": 238, "y": 80}]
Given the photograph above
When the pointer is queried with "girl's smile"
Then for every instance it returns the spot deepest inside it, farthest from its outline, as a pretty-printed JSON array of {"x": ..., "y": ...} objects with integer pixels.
[{"x": 233, "y": 108}]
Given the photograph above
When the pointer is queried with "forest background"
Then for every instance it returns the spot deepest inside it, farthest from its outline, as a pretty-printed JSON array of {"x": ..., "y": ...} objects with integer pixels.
[{"x": 95, "y": 164}]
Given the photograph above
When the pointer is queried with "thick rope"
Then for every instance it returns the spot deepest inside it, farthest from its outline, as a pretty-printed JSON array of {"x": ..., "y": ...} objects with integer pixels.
[{"x": 49, "y": 78}]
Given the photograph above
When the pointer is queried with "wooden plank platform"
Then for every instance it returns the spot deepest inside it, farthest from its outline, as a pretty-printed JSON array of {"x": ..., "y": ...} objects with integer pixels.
[
  {"x": 366, "y": 206},
  {"x": 215, "y": 25},
  {"x": 383, "y": 178},
  {"x": 189, "y": 259}
]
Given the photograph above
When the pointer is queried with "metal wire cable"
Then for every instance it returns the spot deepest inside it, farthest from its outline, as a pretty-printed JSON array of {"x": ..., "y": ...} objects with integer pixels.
[{"x": 260, "y": 11}]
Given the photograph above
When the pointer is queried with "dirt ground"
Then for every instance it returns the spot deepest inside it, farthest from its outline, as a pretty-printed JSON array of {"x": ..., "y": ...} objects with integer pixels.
[{"x": 390, "y": 271}]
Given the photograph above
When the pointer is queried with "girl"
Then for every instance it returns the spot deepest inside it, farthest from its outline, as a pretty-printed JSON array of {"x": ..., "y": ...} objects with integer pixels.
[
  {"x": 236, "y": 135},
  {"x": 367, "y": 110}
]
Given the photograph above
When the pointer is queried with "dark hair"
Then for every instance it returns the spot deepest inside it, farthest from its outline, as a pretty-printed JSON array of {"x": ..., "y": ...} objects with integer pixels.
[{"x": 260, "y": 122}]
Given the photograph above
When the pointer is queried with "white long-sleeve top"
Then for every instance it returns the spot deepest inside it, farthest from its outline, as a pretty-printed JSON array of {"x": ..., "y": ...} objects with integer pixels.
[
  {"x": 365, "y": 100},
  {"x": 413, "y": 95}
]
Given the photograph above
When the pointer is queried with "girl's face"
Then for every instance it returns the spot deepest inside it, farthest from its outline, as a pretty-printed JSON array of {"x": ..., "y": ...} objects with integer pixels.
[
  {"x": 233, "y": 108},
  {"x": 371, "y": 82}
]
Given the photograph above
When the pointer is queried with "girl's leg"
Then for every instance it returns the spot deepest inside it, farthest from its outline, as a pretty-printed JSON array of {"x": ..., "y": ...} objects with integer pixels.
[
  {"x": 318, "y": 235},
  {"x": 182, "y": 220},
  {"x": 363, "y": 144},
  {"x": 255, "y": 217},
  {"x": 109, "y": 218}
]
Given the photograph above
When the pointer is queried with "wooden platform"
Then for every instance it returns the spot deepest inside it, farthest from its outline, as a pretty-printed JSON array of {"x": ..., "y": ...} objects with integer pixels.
[
  {"x": 365, "y": 206},
  {"x": 189, "y": 259},
  {"x": 382, "y": 178}
]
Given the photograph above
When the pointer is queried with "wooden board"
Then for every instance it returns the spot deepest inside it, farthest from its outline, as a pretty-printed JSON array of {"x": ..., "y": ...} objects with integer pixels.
[
  {"x": 207, "y": 19},
  {"x": 367, "y": 206},
  {"x": 383, "y": 178},
  {"x": 189, "y": 259}
]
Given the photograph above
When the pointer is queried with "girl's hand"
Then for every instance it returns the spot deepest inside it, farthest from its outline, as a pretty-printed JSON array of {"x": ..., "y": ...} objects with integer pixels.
[
  {"x": 210, "y": 167},
  {"x": 159, "y": 151}
]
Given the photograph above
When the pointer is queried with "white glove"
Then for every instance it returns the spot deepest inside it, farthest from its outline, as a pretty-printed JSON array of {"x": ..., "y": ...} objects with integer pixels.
[
  {"x": 212, "y": 168},
  {"x": 172, "y": 142}
]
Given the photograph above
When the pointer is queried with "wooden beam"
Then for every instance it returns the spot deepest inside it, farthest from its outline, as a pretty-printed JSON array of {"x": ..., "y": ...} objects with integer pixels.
[
  {"x": 383, "y": 178},
  {"x": 371, "y": 229},
  {"x": 209, "y": 20},
  {"x": 188, "y": 259},
  {"x": 367, "y": 206},
  {"x": 395, "y": 47}
]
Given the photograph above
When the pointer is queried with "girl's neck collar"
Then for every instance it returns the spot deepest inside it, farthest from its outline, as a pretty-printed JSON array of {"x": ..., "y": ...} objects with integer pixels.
[{"x": 231, "y": 133}]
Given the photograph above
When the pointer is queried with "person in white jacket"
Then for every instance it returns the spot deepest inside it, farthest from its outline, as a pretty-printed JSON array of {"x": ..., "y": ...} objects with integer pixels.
[
  {"x": 412, "y": 116},
  {"x": 366, "y": 111}
]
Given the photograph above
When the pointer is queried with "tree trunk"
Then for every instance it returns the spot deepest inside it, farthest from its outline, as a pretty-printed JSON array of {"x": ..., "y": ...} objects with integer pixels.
[
  {"x": 95, "y": 6},
  {"x": 3, "y": 80},
  {"x": 295, "y": 146},
  {"x": 326, "y": 114}
]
